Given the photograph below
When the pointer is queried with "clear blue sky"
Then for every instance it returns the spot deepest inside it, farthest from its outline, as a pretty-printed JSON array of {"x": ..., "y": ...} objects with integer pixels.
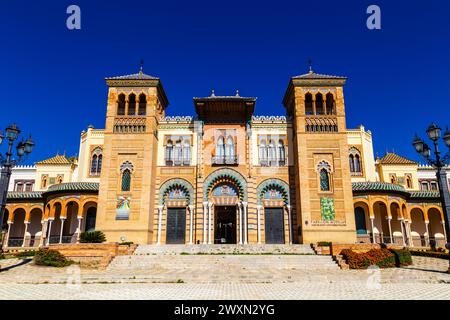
[{"x": 53, "y": 86}]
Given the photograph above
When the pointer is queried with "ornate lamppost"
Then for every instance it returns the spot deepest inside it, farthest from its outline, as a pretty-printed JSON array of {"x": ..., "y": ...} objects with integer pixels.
[
  {"x": 439, "y": 162},
  {"x": 23, "y": 149}
]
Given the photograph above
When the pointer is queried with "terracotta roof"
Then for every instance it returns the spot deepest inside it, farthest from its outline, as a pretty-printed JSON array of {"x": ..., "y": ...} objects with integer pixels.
[
  {"x": 24, "y": 195},
  {"x": 312, "y": 75},
  {"x": 377, "y": 186},
  {"x": 73, "y": 186},
  {"x": 58, "y": 159},
  {"x": 393, "y": 158},
  {"x": 134, "y": 76}
]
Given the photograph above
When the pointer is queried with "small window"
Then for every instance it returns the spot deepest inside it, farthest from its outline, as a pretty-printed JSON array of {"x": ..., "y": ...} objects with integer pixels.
[
  {"x": 28, "y": 187},
  {"x": 19, "y": 187},
  {"x": 132, "y": 104},
  {"x": 319, "y": 104},
  {"x": 330, "y": 104},
  {"x": 126, "y": 180},
  {"x": 309, "y": 104},
  {"x": 434, "y": 186},
  {"x": 142, "y": 105},
  {"x": 169, "y": 153},
  {"x": 352, "y": 163},
  {"x": 324, "y": 180},
  {"x": 121, "y": 105}
]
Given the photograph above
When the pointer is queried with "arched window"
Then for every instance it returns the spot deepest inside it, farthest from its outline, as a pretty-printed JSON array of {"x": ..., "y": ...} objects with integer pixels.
[
  {"x": 186, "y": 152},
  {"x": 324, "y": 180},
  {"x": 59, "y": 180},
  {"x": 360, "y": 221},
  {"x": 319, "y": 104},
  {"x": 393, "y": 179},
  {"x": 263, "y": 153},
  {"x": 309, "y": 104},
  {"x": 169, "y": 152},
  {"x": 330, "y": 104},
  {"x": 229, "y": 148},
  {"x": 272, "y": 153},
  {"x": 121, "y": 105},
  {"x": 126, "y": 180},
  {"x": 44, "y": 182},
  {"x": 132, "y": 104},
  {"x": 220, "y": 148},
  {"x": 281, "y": 153},
  {"x": 351, "y": 159},
  {"x": 142, "y": 105},
  {"x": 357, "y": 163},
  {"x": 178, "y": 154},
  {"x": 96, "y": 162},
  {"x": 408, "y": 182}
]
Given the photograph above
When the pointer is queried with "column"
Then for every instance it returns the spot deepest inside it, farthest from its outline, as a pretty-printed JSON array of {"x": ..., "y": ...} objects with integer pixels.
[
  {"x": 25, "y": 232},
  {"x": 240, "y": 222},
  {"x": 371, "y": 226},
  {"x": 259, "y": 223},
  {"x": 191, "y": 223},
  {"x": 43, "y": 232},
  {"x": 49, "y": 230},
  {"x": 290, "y": 223},
  {"x": 62, "y": 227},
  {"x": 160, "y": 213},
  {"x": 427, "y": 238},
  {"x": 209, "y": 221},
  {"x": 79, "y": 229},
  {"x": 244, "y": 207},
  {"x": 403, "y": 234},
  {"x": 408, "y": 232},
  {"x": 445, "y": 232},
  {"x": 390, "y": 228},
  {"x": 205, "y": 215},
  {"x": 5, "y": 242}
]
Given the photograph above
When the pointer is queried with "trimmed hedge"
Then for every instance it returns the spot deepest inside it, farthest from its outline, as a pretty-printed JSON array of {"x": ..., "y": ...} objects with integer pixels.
[
  {"x": 430, "y": 254},
  {"x": 402, "y": 257},
  {"x": 382, "y": 258},
  {"x": 92, "y": 237},
  {"x": 25, "y": 254},
  {"x": 324, "y": 244},
  {"x": 52, "y": 258}
]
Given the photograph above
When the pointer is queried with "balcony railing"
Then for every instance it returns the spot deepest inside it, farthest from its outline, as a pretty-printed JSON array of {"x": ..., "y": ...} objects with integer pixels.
[
  {"x": 177, "y": 162},
  {"x": 272, "y": 163},
  {"x": 225, "y": 160}
]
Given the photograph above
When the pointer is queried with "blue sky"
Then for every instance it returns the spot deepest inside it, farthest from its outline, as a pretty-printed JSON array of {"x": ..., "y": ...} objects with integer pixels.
[{"x": 52, "y": 82}]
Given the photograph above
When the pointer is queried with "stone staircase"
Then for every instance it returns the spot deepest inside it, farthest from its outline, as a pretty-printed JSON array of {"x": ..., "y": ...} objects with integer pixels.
[{"x": 223, "y": 263}]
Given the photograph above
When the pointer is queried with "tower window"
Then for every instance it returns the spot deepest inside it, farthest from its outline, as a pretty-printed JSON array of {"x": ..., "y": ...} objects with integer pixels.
[
  {"x": 121, "y": 105},
  {"x": 263, "y": 153},
  {"x": 309, "y": 104},
  {"x": 330, "y": 105},
  {"x": 96, "y": 162},
  {"x": 132, "y": 104},
  {"x": 319, "y": 104},
  {"x": 126, "y": 180},
  {"x": 324, "y": 180},
  {"x": 169, "y": 153},
  {"x": 281, "y": 153},
  {"x": 142, "y": 105}
]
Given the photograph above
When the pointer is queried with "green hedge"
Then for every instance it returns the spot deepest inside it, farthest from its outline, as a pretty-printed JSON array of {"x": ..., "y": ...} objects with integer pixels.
[
  {"x": 430, "y": 254},
  {"x": 324, "y": 244},
  {"x": 402, "y": 257},
  {"x": 25, "y": 254},
  {"x": 53, "y": 258}
]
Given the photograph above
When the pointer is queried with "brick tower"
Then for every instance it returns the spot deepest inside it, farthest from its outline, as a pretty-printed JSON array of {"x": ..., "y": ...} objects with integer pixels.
[
  {"x": 135, "y": 104},
  {"x": 322, "y": 175}
]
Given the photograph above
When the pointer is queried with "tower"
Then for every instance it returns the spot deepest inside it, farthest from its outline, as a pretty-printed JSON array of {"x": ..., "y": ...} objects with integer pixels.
[
  {"x": 136, "y": 102},
  {"x": 322, "y": 175}
]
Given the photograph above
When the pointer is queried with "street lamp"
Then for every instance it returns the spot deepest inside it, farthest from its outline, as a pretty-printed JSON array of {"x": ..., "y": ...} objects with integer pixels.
[
  {"x": 23, "y": 149},
  {"x": 439, "y": 163}
]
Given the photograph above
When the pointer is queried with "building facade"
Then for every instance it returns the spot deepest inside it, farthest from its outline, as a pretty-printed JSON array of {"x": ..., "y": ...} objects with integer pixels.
[{"x": 227, "y": 176}]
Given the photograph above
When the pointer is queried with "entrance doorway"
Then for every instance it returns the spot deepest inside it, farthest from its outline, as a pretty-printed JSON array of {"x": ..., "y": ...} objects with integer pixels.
[
  {"x": 176, "y": 226},
  {"x": 274, "y": 225},
  {"x": 225, "y": 224}
]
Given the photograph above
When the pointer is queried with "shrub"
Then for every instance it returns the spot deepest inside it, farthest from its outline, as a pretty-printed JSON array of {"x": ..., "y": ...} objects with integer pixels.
[
  {"x": 25, "y": 254},
  {"x": 324, "y": 244},
  {"x": 382, "y": 258},
  {"x": 127, "y": 243},
  {"x": 430, "y": 254},
  {"x": 53, "y": 258},
  {"x": 92, "y": 237},
  {"x": 402, "y": 257}
]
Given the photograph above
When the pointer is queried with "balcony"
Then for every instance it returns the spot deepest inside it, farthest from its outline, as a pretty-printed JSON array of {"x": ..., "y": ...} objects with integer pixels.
[
  {"x": 272, "y": 163},
  {"x": 225, "y": 160},
  {"x": 177, "y": 162}
]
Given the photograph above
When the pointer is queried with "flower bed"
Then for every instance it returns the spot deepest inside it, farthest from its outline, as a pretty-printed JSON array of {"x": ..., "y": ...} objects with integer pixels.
[{"x": 382, "y": 258}]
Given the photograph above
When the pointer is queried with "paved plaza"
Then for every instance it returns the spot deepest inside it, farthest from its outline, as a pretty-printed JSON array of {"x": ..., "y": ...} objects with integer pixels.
[{"x": 425, "y": 279}]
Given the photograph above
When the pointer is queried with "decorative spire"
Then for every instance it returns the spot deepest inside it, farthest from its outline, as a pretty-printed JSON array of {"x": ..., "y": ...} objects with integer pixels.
[
  {"x": 237, "y": 92},
  {"x": 141, "y": 69},
  {"x": 310, "y": 66},
  {"x": 213, "y": 93}
]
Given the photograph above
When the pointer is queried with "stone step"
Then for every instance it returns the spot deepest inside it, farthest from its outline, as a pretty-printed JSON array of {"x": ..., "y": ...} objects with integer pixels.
[{"x": 224, "y": 249}]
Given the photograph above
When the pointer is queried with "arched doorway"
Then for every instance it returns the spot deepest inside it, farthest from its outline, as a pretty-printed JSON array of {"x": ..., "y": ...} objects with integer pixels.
[
  {"x": 362, "y": 223},
  {"x": 398, "y": 230},
  {"x": 435, "y": 227},
  {"x": 91, "y": 217},
  {"x": 381, "y": 223},
  {"x": 17, "y": 230},
  {"x": 418, "y": 228},
  {"x": 35, "y": 227},
  {"x": 225, "y": 198}
]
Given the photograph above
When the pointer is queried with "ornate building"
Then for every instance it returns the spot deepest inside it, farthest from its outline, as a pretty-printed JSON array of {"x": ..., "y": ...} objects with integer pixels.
[{"x": 226, "y": 175}]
